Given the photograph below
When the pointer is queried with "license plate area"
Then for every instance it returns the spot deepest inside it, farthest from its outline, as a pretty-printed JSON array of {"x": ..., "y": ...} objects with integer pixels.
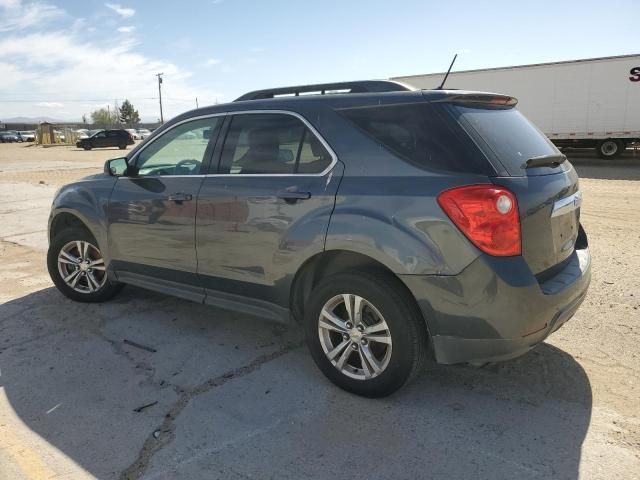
[{"x": 565, "y": 219}]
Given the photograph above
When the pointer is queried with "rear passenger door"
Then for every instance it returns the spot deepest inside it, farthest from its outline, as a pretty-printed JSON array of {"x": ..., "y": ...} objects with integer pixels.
[{"x": 266, "y": 210}]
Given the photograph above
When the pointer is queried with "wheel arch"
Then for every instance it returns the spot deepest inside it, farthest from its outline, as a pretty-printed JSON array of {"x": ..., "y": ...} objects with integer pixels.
[
  {"x": 64, "y": 219},
  {"x": 330, "y": 262}
]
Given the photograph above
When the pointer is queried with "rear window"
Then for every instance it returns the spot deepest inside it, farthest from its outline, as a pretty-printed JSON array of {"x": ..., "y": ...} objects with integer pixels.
[
  {"x": 509, "y": 136},
  {"x": 422, "y": 134}
]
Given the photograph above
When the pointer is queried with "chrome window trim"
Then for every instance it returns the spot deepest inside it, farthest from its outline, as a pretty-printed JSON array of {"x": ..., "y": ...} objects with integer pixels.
[
  {"x": 567, "y": 204},
  {"x": 334, "y": 158}
]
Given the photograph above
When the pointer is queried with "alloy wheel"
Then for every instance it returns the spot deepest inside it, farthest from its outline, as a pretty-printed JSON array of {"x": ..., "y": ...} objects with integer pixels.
[
  {"x": 82, "y": 267},
  {"x": 354, "y": 336}
]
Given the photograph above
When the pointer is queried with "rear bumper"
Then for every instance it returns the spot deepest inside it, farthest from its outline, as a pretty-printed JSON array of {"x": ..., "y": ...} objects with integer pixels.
[{"x": 496, "y": 309}]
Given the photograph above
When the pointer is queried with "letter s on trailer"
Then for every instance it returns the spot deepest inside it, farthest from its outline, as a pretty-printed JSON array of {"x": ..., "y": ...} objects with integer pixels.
[{"x": 590, "y": 103}]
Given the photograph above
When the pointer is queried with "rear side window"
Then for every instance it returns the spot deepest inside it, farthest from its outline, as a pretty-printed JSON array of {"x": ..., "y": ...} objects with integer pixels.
[
  {"x": 510, "y": 137},
  {"x": 423, "y": 134},
  {"x": 272, "y": 144}
]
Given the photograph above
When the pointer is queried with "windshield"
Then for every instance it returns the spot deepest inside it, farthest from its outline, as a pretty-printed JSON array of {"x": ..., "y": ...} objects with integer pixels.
[{"x": 509, "y": 136}]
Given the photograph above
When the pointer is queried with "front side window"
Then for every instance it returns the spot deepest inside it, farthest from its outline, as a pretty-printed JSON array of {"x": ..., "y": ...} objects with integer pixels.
[
  {"x": 272, "y": 144},
  {"x": 179, "y": 151}
]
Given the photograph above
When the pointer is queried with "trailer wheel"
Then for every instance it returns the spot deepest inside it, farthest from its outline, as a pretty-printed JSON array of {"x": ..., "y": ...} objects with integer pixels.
[{"x": 610, "y": 148}]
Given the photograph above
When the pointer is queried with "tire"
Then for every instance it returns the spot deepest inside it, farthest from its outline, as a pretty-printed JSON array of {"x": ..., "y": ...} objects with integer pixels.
[
  {"x": 85, "y": 289},
  {"x": 87, "y": 148},
  {"x": 401, "y": 323},
  {"x": 122, "y": 147},
  {"x": 610, "y": 148}
]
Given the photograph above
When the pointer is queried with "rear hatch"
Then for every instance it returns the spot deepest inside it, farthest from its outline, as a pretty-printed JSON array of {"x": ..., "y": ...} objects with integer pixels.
[{"x": 528, "y": 164}]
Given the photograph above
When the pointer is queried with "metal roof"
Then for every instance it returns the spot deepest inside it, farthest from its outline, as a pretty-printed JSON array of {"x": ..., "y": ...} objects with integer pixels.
[{"x": 521, "y": 66}]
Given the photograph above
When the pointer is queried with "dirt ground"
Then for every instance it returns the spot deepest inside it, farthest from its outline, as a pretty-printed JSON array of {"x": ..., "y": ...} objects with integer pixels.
[{"x": 239, "y": 398}]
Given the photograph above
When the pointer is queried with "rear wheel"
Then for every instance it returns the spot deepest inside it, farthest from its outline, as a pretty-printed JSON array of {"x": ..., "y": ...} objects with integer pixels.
[
  {"x": 77, "y": 267},
  {"x": 122, "y": 147},
  {"x": 610, "y": 148},
  {"x": 365, "y": 333}
]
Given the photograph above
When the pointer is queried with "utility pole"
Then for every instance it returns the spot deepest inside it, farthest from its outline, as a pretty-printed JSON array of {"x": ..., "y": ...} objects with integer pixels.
[
  {"x": 196, "y": 102},
  {"x": 159, "y": 75}
]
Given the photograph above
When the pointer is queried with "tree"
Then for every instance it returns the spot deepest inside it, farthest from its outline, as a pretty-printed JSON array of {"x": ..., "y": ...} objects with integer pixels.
[
  {"x": 104, "y": 118},
  {"x": 128, "y": 114}
]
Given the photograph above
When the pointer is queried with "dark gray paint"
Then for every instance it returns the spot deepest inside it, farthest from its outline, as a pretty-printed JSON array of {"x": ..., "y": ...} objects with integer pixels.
[
  {"x": 251, "y": 242},
  {"x": 147, "y": 228},
  {"x": 238, "y": 246}
]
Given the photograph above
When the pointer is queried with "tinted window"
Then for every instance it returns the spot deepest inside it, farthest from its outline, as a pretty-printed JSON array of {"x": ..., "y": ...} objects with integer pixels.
[
  {"x": 272, "y": 144},
  {"x": 507, "y": 133},
  {"x": 422, "y": 134},
  {"x": 179, "y": 151}
]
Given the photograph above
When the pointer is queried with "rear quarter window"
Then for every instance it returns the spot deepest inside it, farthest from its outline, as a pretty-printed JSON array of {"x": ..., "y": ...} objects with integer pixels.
[
  {"x": 422, "y": 134},
  {"x": 506, "y": 134}
]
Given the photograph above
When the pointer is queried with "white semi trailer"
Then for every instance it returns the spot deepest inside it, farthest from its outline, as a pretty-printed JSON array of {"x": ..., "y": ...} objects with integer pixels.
[{"x": 580, "y": 103}]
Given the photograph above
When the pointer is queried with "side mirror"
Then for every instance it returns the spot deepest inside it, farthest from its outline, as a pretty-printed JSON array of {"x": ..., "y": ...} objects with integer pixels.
[{"x": 116, "y": 167}]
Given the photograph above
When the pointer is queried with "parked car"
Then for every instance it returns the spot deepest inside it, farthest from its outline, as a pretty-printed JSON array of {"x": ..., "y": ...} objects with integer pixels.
[
  {"x": 134, "y": 133},
  {"x": 392, "y": 223},
  {"x": 106, "y": 138},
  {"x": 27, "y": 135},
  {"x": 9, "y": 136},
  {"x": 144, "y": 133}
]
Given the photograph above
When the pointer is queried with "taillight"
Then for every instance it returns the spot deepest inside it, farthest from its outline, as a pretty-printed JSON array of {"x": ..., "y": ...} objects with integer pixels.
[{"x": 487, "y": 215}]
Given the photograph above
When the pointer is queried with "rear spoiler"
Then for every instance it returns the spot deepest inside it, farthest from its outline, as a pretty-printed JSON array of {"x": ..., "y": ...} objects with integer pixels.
[{"x": 478, "y": 99}]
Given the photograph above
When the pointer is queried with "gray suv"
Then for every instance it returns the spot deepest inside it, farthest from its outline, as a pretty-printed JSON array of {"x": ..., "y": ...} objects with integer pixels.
[{"x": 392, "y": 223}]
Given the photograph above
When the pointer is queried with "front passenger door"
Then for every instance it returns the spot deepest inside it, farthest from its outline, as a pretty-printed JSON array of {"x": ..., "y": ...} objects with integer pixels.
[
  {"x": 99, "y": 139},
  {"x": 152, "y": 211}
]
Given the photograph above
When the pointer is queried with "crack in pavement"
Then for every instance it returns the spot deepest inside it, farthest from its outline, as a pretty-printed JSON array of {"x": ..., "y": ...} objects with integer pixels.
[{"x": 153, "y": 445}]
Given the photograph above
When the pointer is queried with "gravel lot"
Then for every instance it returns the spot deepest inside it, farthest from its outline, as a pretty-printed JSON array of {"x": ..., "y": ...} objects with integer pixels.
[{"x": 235, "y": 397}]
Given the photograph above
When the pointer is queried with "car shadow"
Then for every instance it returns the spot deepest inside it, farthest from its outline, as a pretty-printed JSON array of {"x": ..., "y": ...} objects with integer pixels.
[{"x": 71, "y": 379}]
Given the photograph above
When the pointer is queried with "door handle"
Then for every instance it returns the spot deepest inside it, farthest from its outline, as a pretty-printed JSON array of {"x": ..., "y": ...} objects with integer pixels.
[
  {"x": 180, "y": 197},
  {"x": 292, "y": 195}
]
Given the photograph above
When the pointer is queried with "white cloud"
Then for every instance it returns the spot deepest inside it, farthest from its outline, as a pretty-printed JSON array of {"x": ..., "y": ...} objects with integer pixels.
[
  {"x": 212, "y": 61},
  {"x": 127, "y": 29},
  {"x": 50, "y": 104},
  {"x": 14, "y": 15},
  {"x": 124, "y": 12},
  {"x": 10, "y": 3},
  {"x": 60, "y": 68}
]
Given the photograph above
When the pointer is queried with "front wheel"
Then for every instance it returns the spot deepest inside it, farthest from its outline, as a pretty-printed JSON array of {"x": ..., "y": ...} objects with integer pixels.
[
  {"x": 365, "y": 333},
  {"x": 122, "y": 147},
  {"x": 77, "y": 267},
  {"x": 610, "y": 148}
]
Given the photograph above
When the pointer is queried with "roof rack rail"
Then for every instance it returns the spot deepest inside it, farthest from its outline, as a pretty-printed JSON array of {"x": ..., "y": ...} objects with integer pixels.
[{"x": 324, "y": 88}]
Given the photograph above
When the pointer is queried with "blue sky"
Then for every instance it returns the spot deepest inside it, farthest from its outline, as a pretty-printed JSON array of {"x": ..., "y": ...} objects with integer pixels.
[{"x": 65, "y": 58}]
